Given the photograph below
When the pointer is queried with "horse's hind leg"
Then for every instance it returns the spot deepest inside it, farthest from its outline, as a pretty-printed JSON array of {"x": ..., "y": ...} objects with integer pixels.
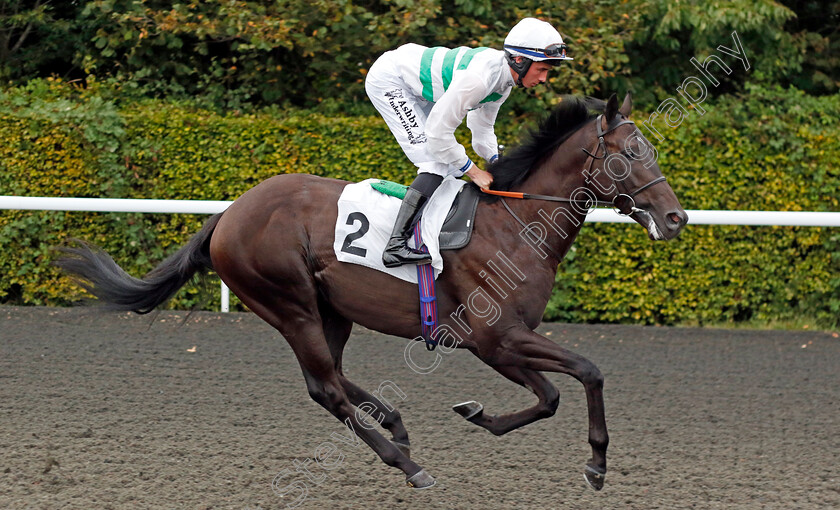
[
  {"x": 547, "y": 395},
  {"x": 337, "y": 331},
  {"x": 291, "y": 307},
  {"x": 325, "y": 387}
]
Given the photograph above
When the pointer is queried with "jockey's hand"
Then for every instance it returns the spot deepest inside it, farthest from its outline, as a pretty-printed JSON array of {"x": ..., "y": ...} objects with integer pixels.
[{"x": 481, "y": 178}]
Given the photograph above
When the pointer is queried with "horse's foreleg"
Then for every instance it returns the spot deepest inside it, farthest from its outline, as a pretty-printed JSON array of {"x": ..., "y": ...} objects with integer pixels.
[
  {"x": 546, "y": 393},
  {"x": 534, "y": 352}
]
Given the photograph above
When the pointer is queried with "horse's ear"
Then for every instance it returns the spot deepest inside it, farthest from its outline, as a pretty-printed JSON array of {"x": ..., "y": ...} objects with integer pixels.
[
  {"x": 626, "y": 106},
  {"x": 611, "y": 109}
]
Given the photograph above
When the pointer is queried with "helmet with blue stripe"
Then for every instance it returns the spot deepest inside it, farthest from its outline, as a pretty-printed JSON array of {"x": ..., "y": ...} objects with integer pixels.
[{"x": 535, "y": 40}]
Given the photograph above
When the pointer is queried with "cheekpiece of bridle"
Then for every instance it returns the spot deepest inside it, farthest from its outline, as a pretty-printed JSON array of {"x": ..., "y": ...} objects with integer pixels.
[{"x": 624, "y": 204}]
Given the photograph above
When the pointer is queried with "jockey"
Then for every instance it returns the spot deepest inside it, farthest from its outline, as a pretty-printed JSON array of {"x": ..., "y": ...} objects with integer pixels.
[{"x": 425, "y": 93}]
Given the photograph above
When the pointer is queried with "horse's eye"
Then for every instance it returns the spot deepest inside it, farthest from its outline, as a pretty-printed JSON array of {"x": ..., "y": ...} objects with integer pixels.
[{"x": 629, "y": 154}]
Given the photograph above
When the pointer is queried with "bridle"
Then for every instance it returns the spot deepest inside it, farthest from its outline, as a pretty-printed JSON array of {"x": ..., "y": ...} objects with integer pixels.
[
  {"x": 624, "y": 203},
  {"x": 629, "y": 206}
]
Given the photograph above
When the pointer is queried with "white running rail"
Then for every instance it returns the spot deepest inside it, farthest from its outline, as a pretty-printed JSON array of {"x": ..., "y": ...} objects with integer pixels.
[{"x": 696, "y": 217}]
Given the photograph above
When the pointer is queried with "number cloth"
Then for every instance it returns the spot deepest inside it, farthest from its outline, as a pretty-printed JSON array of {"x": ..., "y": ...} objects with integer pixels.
[{"x": 366, "y": 218}]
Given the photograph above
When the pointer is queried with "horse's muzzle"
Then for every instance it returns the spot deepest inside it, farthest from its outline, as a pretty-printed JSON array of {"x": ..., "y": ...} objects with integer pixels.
[{"x": 666, "y": 228}]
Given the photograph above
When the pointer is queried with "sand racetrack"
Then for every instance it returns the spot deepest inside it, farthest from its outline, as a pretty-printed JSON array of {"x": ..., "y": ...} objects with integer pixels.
[{"x": 113, "y": 411}]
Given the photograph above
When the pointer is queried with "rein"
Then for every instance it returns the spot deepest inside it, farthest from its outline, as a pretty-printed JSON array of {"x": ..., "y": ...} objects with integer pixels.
[
  {"x": 550, "y": 198},
  {"x": 526, "y": 227},
  {"x": 628, "y": 198}
]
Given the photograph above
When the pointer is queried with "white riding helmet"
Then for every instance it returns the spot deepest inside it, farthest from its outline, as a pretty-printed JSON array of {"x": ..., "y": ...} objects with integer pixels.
[{"x": 535, "y": 40}]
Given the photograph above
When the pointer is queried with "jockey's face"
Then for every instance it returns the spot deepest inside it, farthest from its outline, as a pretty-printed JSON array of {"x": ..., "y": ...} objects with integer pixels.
[{"x": 537, "y": 73}]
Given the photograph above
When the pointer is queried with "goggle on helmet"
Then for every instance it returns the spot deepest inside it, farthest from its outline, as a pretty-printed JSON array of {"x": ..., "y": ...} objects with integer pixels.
[{"x": 553, "y": 53}]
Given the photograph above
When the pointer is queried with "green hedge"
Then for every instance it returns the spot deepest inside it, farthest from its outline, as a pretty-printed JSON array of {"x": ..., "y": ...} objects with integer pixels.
[
  {"x": 767, "y": 150},
  {"x": 64, "y": 141}
]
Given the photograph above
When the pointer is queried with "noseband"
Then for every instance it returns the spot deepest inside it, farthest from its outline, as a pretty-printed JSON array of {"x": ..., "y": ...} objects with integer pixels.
[{"x": 629, "y": 205}]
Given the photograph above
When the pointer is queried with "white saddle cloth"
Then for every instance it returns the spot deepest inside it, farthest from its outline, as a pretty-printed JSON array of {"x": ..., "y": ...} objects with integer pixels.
[{"x": 366, "y": 218}]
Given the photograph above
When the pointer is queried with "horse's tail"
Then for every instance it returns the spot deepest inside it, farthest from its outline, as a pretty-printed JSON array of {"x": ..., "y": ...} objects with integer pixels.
[{"x": 118, "y": 290}]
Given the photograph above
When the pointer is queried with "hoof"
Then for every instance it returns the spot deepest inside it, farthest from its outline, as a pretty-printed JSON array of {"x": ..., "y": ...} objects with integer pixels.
[
  {"x": 420, "y": 480},
  {"x": 469, "y": 410},
  {"x": 594, "y": 477},
  {"x": 403, "y": 448}
]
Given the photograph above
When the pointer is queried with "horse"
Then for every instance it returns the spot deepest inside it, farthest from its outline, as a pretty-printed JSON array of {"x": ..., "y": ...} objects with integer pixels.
[{"x": 274, "y": 248}]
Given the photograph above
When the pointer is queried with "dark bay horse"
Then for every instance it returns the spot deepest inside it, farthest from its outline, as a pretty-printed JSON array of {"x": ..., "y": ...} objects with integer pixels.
[{"x": 274, "y": 248}]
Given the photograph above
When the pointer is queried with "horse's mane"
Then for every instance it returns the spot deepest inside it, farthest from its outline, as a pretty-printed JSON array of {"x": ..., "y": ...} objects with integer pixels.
[{"x": 569, "y": 116}]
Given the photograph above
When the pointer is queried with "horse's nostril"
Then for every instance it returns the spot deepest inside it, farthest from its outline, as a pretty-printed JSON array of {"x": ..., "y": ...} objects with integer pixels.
[{"x": 676, "y": 218}]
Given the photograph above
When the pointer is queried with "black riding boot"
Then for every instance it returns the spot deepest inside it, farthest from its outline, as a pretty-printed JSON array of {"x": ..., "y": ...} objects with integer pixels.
[{"x": 397, "y": 252}]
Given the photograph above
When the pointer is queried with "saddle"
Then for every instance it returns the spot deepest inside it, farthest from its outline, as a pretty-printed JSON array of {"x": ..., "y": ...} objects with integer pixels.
[
  {"x": 458, "y": 225},
  {"x": 454, "y": 234}
]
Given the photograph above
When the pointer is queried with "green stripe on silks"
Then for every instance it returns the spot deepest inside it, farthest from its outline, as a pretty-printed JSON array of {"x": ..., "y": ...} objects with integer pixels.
[
  {"x": 426, "y": 72},
  {"x": 466, "y": 61},
  {"x": 448, "y": 66},
  {"x": 468, "y": 56},
  {"x": 495, "y": 96},
  {"x": 393, "y": 189},
  {"x": 449, "y": 63}
]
